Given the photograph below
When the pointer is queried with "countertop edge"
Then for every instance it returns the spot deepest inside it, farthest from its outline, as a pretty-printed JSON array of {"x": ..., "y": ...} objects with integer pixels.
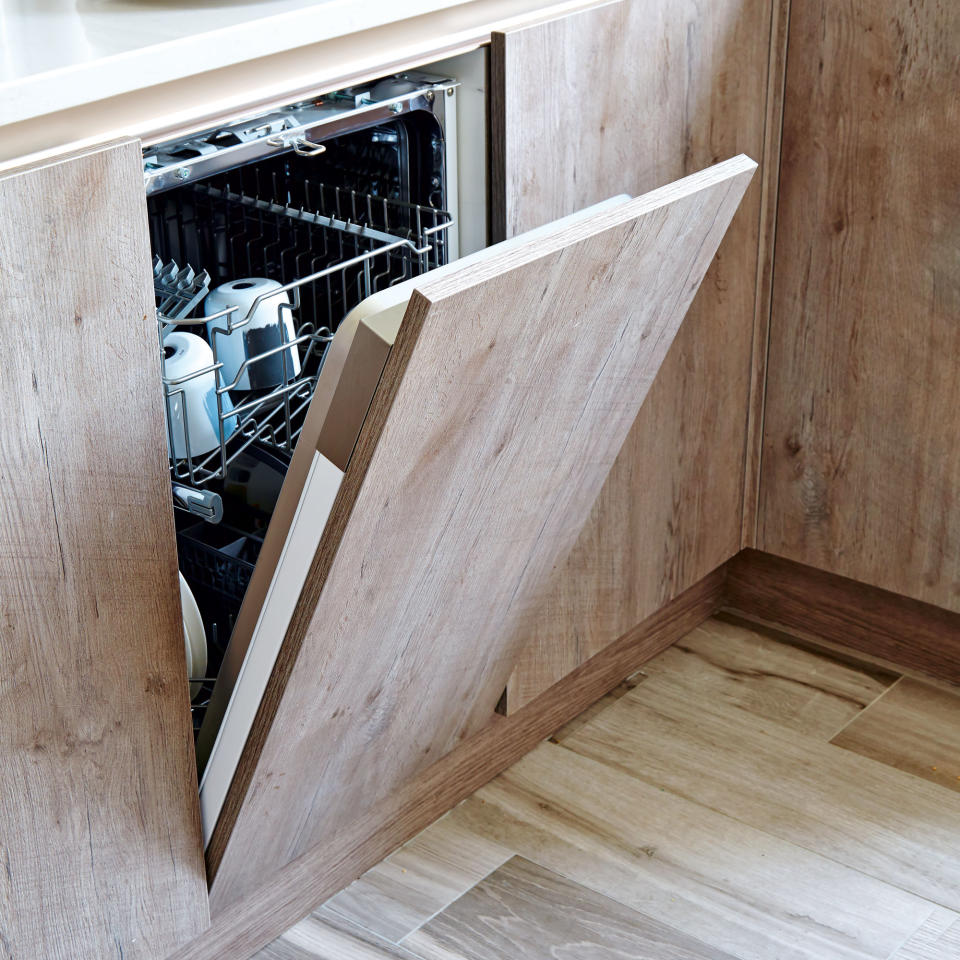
[{"x": 32, "y": 96}]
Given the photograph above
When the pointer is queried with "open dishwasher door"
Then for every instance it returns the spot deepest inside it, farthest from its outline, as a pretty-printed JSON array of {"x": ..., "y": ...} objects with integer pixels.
[
  {"x": 351, "y": 370},
  {"x": 412, "y": 548}
]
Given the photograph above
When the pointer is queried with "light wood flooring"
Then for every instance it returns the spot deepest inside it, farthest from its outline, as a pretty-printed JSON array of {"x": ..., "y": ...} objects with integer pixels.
[{"x": 744, "y": 796}]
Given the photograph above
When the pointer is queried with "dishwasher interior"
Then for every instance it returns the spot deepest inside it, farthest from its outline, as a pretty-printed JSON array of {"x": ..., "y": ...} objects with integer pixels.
[{"x": 265, "y": 234}]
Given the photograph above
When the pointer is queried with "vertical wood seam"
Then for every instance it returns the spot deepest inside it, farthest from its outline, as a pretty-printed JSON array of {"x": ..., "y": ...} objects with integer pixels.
[
  {"x": 497, "y": 141},
  {"x": 763, "y": 302}
]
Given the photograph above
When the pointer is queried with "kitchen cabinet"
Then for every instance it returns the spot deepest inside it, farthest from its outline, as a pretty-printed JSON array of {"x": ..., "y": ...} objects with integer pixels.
[
  {"x": 629, "y": 96},
  {"x": 861, "y": 465},
  {"x": 476, "y": 471},
  {"x": 510, "y": 510},
  {"x": 99, "y": 821}
]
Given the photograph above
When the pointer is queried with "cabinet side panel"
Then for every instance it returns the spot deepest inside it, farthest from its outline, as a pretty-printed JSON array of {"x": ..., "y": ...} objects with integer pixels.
[
  {"x": 99, "y": 822},
  {"x": 615, "y": 99},
  {"x": 861, "y": 460}
]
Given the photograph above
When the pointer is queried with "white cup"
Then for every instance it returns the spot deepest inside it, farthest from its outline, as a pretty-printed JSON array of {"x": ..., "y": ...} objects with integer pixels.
[
  {"x": 260, "y": 333},
  {"x": 191, "y": 406}
]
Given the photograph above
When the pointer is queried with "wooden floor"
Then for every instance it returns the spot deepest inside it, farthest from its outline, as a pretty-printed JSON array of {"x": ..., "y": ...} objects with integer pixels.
[{"x": 745, "y": 796}]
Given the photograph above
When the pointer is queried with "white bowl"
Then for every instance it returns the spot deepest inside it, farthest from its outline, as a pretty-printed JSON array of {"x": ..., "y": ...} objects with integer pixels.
[
  {"x": 261, "y": 332},
  {"x": 185, "y": 355},
  {"x": 194, "y": 637}
]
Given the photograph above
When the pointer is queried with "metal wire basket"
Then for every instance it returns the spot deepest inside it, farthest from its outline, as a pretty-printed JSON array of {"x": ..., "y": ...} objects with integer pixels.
[{"x": 328, "y": 247}]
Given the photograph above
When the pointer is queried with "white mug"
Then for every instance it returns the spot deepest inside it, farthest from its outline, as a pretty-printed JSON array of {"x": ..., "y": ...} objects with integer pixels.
[
  {"x": 260, "y": 333},
  {"x": 191, "y": 406}
]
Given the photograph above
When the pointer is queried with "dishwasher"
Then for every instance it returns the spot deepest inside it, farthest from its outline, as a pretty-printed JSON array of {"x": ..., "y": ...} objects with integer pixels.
[
  {"x": 266, "y": 233},
  {"x": 286, "y": 248}
]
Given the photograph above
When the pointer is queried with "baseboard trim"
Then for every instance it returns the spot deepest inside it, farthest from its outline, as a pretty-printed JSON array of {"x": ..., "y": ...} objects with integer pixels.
[
  {"x": 850, "y": 614},
  {"x": 288, "y": 895}
]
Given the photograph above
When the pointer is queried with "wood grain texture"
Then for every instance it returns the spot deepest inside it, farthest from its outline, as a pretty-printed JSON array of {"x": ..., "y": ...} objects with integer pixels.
[
  {"x": 352, "y": 367},
  {"x": 598, "y": 853},
  {"x": 629, "y": 96},
  {"x": 792, "y": 786},
  {"x": 600, "y": 705},
  {"x": 422, "y": 878},
  {"x": 861, "y": 468},
  {"x": 327, "y": 936},
  {"x": 503, "y": 404},
  {"x": 769, "y": 195},
  {"x": 290, "y": 893},
  {"x": 100, "y": 823},
  {"x": 526, "y": 912},
  {"x": 937, "y": 939},
  {"x": 914, "y": 727},
  {"x": 898, "y": 629},
  {"x": 809, "y": 691},
  {"x": 717, "y": 878}
]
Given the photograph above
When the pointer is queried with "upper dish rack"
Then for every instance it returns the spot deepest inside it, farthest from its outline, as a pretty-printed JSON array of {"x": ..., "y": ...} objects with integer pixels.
[{"x": 329, "y": 248}]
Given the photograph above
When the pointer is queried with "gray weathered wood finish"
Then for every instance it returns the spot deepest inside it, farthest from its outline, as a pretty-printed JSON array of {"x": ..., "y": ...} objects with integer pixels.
[
  {"x": 629, "y": 96},
  {"x": 98, "y": 811},
  {"x": 527, "y": 912},
  {"x": 503, "y": 404}
]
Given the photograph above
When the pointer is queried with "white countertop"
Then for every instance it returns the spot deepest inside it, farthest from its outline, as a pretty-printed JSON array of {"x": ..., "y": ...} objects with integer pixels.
[{"x": 56, "y": 54}]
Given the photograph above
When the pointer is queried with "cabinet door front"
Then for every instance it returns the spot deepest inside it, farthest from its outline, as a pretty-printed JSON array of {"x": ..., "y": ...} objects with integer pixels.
[
  {"x": 99, "y": 823},
  {"x": 861, "y": 464},
  {"x": 507, "y": 394},
  {"x": 622, "y": 98}
]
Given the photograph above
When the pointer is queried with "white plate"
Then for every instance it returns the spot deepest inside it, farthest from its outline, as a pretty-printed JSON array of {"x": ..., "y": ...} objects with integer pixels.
[{"x": 194, "y": 636}]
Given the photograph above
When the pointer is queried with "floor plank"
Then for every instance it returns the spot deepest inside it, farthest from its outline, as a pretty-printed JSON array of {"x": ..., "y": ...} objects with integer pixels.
[
  {"x": 815, "y": 641},
  {"x": 609, "y": 699},
  {"x": 326, "y": 936},
  {"x": 809, "y": 691},
  {"x": 914, "y": 727},
  {"x": 739, "y": 889},
  {"x": 871, "y": 817},
  {"x": 419, "y": 880},
  {"x": 525, "y": 912},
  {"x": 937, "y": 939}
]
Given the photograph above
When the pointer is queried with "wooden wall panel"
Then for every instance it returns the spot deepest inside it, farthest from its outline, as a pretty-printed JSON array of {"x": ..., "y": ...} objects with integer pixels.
[
  {"x": 861, "y": 459},
  {"x": 495, "y": 424},
  {"x": 622, "y": 98},
  {"x": 99, "y": 821}
]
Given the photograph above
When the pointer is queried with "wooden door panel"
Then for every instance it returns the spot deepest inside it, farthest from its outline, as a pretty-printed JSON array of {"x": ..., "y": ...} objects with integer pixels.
[
  {"x": 99, "y": 822},
  {"x": 503, "y": 403},
  {"x": 616, "y": 98},
  {"x": 861, "y": 460}
]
